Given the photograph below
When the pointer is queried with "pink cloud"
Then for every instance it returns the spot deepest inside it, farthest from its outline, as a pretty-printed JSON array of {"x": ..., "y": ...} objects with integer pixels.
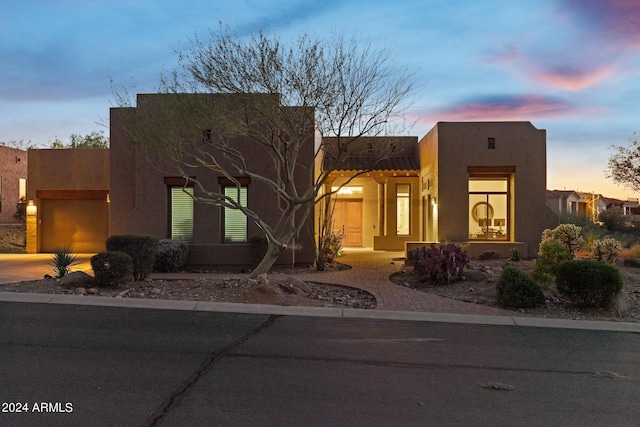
[
  {"x": 503, "y": 108},
  {"x": 572, "y": 77},
  {"x": 616, "y": 19}
]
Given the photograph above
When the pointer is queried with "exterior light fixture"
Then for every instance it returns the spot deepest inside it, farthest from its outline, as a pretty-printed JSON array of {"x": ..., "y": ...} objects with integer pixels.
[{"x": 31, "y": 208}]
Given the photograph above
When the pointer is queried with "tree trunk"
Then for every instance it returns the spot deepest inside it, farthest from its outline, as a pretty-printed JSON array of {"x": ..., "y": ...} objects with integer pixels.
[{"x": 273, "y": 252}]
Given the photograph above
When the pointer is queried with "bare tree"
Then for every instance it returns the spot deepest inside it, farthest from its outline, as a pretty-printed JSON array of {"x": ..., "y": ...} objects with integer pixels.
[
  {"x": 283, "y": 98},
  {"x": 624, "y": 165}
]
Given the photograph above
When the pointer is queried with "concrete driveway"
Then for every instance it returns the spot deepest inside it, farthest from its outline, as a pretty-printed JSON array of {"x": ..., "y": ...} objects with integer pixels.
[{"x": 19, "y": 267}]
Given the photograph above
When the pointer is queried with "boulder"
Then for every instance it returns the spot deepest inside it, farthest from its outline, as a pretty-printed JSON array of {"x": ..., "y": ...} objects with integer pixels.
[
  {"x": 489, "y": 255},
  {"x": 474, "y": 275},
  {"x": 77, "y": 279},
  {"x": 631, "y": 262},
  {"x": 620, "y": 303},
  {"x": 298, "y": 283}
]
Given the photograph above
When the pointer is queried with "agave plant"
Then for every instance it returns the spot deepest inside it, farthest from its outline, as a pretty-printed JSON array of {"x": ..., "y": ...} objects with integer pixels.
[{"x": 62, "y": 260}]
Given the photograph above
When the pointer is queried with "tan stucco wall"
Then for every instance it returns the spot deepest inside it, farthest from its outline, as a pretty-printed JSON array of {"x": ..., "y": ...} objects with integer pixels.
[
  {"x": 14, "y": 168},
  {"x": 65, "y": 219},
  {"x": 450, "y": 148},
  {"x": 139, "y": 194}
]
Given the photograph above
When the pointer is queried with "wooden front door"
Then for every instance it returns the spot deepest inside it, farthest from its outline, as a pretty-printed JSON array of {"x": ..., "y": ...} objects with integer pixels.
[{"x": 347, "y": 220}]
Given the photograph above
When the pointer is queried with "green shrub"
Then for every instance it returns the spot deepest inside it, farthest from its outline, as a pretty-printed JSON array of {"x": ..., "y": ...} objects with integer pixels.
[
  {"x": 515, "y": 255},
  {"x": 552, "y": 253},
  {"x": 112, "y": 269},
  {"x": 62, "y": 261},
  {"x": 142, "y": 250},
  {"x": 606, "y": 250},
  {"x": 517, "y": 289},
  {"x": 613, "y": 219},
  {"x": 171, "y": 255},
  {"x": 588, "y": 282}
]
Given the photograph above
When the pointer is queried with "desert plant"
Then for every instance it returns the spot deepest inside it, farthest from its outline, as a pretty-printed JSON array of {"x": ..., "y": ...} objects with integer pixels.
[
  {"x": 613, "y": 219},
  {"x": 606, "y": 250},
  {"x": 516, "y": 289},
  {"x": 439, "y": 263},
  {"x": 589, "y": 283},
  {"x": 62, "y": 260},
  {"x": 171, "y": 255},
  {"x": 142, "y": 250},
  {"x": 515, "y": 255},
  {"x": 552, "y": 253},
  {"x": 569, "y": 235},
  {"x": 112, "y": 269}
]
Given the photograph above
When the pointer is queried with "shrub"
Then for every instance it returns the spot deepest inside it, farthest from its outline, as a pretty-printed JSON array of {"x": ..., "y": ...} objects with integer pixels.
[
  {"x": 171, "y": 255},
  {"x": 141, "y": 249},
  {"x": 588, "y": 282},
  {"x": 439, "y": 263},
  {"x": 552, "y": 253},
  {"x": 111, "y": 269},
  {"x": 517, "y": 289},
  {"x": 515, "y": 255},
  {"x": 613, "y": 219},
  {"x": 606, "y": 250},
  {"x": 62, "y": 261}
]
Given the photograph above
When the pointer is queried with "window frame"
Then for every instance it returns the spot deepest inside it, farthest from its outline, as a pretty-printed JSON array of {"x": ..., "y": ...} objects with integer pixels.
[
  {"x": 407, "y": 198},
  {"x": 507, "y": 177},
  {"x": 239, "y": 184},
  {"x": 179, "y": 184}
]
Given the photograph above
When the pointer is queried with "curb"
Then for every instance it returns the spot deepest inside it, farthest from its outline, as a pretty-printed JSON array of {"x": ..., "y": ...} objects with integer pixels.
[{"x": 350, "y": 313}]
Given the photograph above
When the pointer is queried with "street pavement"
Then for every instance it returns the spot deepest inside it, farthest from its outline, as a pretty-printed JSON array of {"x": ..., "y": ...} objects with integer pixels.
[{"x": 83, "y": 365}]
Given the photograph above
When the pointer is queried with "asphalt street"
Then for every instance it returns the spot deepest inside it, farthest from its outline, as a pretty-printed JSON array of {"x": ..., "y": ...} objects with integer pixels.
[{"x": 68, "y": 365}]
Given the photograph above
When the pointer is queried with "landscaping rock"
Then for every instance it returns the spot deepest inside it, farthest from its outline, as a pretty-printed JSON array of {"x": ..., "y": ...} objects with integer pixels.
[
  {"x": 78, "y": 279},
  {"x": 300, "y": 284},
  {"x": 620, "y": 303},
  {"x": 262, "y": 279},
  {"x": 474, "y": 275},
  {"x": 631, "y": 262},
  {"x": 81, "y": 291},
  {"x": 489, "y": 255}
]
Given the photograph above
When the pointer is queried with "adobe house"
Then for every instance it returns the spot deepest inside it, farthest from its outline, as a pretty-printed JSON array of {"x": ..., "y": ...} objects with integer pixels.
[
  {"x": 68, "y": 200},
  {"x": 480, "y": 184},
  {"x": 152, "y": 199},
  {"x": 484, "y": 184},
  {"x": 13, "y": 182}
]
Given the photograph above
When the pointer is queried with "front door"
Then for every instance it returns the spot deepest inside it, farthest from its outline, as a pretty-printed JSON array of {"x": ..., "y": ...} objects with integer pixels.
[{"x": 347, "y": 220}]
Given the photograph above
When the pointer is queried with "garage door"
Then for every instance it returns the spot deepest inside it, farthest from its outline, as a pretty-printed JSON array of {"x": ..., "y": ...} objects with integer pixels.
[{"x": 80, "y": 224}]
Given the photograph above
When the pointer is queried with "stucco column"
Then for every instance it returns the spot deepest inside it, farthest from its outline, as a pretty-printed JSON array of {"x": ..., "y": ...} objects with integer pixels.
[{"x": 32, "y": 228}]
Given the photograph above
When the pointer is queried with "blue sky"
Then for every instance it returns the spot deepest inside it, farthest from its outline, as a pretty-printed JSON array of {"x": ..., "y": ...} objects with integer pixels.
[{"x": 571, "y": 67}]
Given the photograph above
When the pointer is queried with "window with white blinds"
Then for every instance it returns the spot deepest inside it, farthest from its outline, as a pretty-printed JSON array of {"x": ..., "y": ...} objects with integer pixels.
[
  {"x": 235, "y": 222},
  {"x": 181, "y": 213}
]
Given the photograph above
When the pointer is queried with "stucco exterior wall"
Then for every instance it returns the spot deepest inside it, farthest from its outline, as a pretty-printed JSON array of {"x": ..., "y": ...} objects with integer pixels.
[
  {"x": 70, "y": 190},
  {"x": 139, "y": 195},
  {"x": 451, "y": 148},
  {"x": 14, "y": 168}
]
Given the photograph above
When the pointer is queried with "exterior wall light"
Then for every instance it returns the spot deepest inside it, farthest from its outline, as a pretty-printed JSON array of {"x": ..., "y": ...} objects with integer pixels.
[{"x": 32, "y": 210}]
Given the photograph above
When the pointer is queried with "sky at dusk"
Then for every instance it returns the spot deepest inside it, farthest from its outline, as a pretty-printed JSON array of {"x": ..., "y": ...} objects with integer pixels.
[{"x": 571, "y": 67}]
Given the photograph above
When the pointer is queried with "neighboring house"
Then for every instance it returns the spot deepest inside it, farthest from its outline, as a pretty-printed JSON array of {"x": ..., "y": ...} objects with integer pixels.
[
  {"x": 13, "y": 182},
  {"x": 477, "y": 184},
  {"x": 69, "y": 193},
  {"x": 576, "y": 203}
]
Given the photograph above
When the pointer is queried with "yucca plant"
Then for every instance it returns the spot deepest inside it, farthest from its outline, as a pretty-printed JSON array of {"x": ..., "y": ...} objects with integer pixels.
[{"x": 62, "y": 260}]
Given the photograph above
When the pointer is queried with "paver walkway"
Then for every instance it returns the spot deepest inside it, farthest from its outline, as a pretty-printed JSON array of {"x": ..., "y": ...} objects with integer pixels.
[{"x": 370, "y": 271}]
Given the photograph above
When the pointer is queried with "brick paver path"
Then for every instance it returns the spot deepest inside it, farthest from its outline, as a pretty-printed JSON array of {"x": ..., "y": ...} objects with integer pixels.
[{"x": 370, "y": 271}]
